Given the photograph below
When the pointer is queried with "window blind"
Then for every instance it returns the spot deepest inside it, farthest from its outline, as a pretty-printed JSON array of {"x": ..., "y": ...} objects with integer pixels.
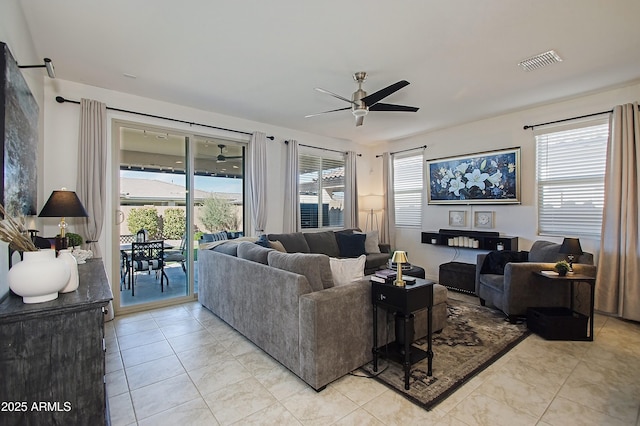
[
  {"x": 407, "y": 189},
  {"x": 570, "y": 179}
]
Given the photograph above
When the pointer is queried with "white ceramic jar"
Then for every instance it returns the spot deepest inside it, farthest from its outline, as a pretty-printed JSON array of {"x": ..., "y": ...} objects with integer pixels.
[
  {"x": 39, "y": 276},
  {"x": 72, "y": 262}
]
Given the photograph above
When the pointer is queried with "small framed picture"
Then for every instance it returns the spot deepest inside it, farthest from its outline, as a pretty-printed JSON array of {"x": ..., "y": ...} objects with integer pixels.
[
  {"x": 457, "y": 218},
  {"x": 483, "y": 219}
]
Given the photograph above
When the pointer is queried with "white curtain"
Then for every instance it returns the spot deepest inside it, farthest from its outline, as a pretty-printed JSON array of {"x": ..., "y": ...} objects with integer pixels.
[
  {"x": 388, "y": 231},
  {"x": 291, "y": 193},
  {"x": 258, "y": 181},
  {"x": 618, "y": 278},
  {"x": 92, "y": 165},
  {"x": 350, "y": 191}
]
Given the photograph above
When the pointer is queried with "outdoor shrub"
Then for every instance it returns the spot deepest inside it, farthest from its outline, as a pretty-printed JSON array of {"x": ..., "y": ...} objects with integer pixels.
[
  {"x": 143, "y": 218},
  {"x": 218, "y": 214},
  {"x": 174, "y": 223}
]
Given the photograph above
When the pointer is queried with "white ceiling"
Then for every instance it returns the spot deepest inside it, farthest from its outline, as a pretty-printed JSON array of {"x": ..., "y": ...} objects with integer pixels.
[{"x": 260, "y": 60}]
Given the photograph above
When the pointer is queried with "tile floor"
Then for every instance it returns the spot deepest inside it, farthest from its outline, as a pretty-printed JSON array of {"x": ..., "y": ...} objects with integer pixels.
[{"x": 184, "y": 366}]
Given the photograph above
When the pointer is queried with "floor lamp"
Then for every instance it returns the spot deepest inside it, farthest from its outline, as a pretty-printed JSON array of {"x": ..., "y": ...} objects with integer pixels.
[{"x": 372, "y": 204}]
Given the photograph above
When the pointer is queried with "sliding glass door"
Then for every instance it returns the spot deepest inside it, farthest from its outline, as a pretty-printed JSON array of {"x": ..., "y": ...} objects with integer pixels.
[{"x": 173, "y": 188}]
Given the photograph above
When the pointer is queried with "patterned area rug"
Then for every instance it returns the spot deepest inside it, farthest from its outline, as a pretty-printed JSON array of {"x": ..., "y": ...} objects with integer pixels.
[{"x": 475, "y": 337}]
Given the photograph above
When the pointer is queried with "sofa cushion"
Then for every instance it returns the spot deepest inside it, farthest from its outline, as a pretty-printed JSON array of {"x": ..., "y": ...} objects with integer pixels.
[
  {"x": 348, "y": 231},
  {"x": 293, "y": 242},
  {"x": 376, "y": 260},
  {"x": 253, "y": 252},
  {"x": 322, "y": 242},
  {"x": 345, "y": 271},
  {"x": 315, "y": 267},
  {"x": 545, "y": 251},
  {"x": 494, "y": 281},
  {"x": 228, "y": 247},
  {"x": 217, "y": 236},
  {"x": 371, "y": 243},
  {"x": 351, "y": 245}
]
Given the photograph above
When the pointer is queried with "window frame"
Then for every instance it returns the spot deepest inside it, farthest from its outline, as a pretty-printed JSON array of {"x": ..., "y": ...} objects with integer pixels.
[
  {"x": 574, "y": 194},
  {"x": 322, "y": 157},
  {"x": 416, "y": 221}
]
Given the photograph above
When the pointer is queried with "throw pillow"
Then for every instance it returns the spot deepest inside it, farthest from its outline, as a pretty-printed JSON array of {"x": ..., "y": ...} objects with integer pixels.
[
  {"x": 263, "y": 241},
  {"x": 495, "y": 261},
  {"x": 278, "y": 246},
  {"x": 315, "y": 267},
  {"x": 345, "y": 271},
  {"x": 371, "y": 242},
  {"x": 351, "y": 245},
  {"x": 253, "y": 252}
]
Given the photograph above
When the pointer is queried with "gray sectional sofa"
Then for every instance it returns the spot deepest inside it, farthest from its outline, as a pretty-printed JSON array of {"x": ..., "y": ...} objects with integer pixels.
[
  {"x": 288, "y": 305},
  {"x": 335, "y": 244}
]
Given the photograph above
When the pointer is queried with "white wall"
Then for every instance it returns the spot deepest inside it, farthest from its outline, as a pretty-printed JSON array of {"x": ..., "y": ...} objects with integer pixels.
[
  {"x": 504, "y": 131},
  {"x": 61, "y": 142}
]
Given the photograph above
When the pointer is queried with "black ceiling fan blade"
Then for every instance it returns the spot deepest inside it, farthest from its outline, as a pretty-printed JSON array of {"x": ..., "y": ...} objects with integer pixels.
[
  {"x": 326, "y": 112},
  {"x": 373, "y": 98},
  {"x": 391, "y": 107}
]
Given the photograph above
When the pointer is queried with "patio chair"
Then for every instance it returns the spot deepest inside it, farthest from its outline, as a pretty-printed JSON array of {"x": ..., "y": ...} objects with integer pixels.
[
  {"x": 147, "y": 256},
  {"x": 141, "y": 235},
  {"x": 177, "y": 255}
]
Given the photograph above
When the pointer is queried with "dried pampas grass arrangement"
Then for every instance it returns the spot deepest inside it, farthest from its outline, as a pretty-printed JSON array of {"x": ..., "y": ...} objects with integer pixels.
[{"x": 14, "y": 232}]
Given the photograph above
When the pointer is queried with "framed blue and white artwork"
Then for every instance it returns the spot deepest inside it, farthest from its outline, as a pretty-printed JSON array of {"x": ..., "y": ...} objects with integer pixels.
[{"x": 480, "y": 178}]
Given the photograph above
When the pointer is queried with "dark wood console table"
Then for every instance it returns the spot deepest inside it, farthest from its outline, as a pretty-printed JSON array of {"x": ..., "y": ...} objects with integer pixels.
[
  {"x": 405, "y": 301},
  {"x": 52, "y": 355}
]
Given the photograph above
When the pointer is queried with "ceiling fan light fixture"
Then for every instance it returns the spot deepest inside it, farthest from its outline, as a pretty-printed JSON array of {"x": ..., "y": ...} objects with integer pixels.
[{"x": 360, "y": 112}]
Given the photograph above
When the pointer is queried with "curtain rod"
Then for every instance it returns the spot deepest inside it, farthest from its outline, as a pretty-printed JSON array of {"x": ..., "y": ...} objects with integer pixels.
[
  {"x": 531, "y": 126},
  {"x": 324, "y": 149},
  {"x": 404, "y": 150},
  {"x": 62, "y": 100}
]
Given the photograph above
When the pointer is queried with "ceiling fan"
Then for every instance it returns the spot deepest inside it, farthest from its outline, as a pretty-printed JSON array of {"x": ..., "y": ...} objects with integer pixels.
[
  {"x": 361, "y": 103},
  {"x": 221, "y": 158}
]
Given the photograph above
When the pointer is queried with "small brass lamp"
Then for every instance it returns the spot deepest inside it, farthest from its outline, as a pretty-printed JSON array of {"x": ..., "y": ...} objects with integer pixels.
[{"x": 399, "y": 257}]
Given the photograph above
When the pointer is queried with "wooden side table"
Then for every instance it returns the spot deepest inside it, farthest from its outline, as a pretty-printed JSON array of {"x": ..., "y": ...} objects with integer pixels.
[
  {"x": 404, "y": 301},
  {"x": 571, "y": 279}
]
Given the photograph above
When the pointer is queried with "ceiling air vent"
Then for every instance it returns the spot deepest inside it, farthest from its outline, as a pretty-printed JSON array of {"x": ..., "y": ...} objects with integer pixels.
[{"x": 541, "y": 60}]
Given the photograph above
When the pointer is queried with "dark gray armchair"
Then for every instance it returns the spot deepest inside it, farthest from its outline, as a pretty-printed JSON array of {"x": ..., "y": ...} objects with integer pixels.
[{"x": 519, "y": 288}]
